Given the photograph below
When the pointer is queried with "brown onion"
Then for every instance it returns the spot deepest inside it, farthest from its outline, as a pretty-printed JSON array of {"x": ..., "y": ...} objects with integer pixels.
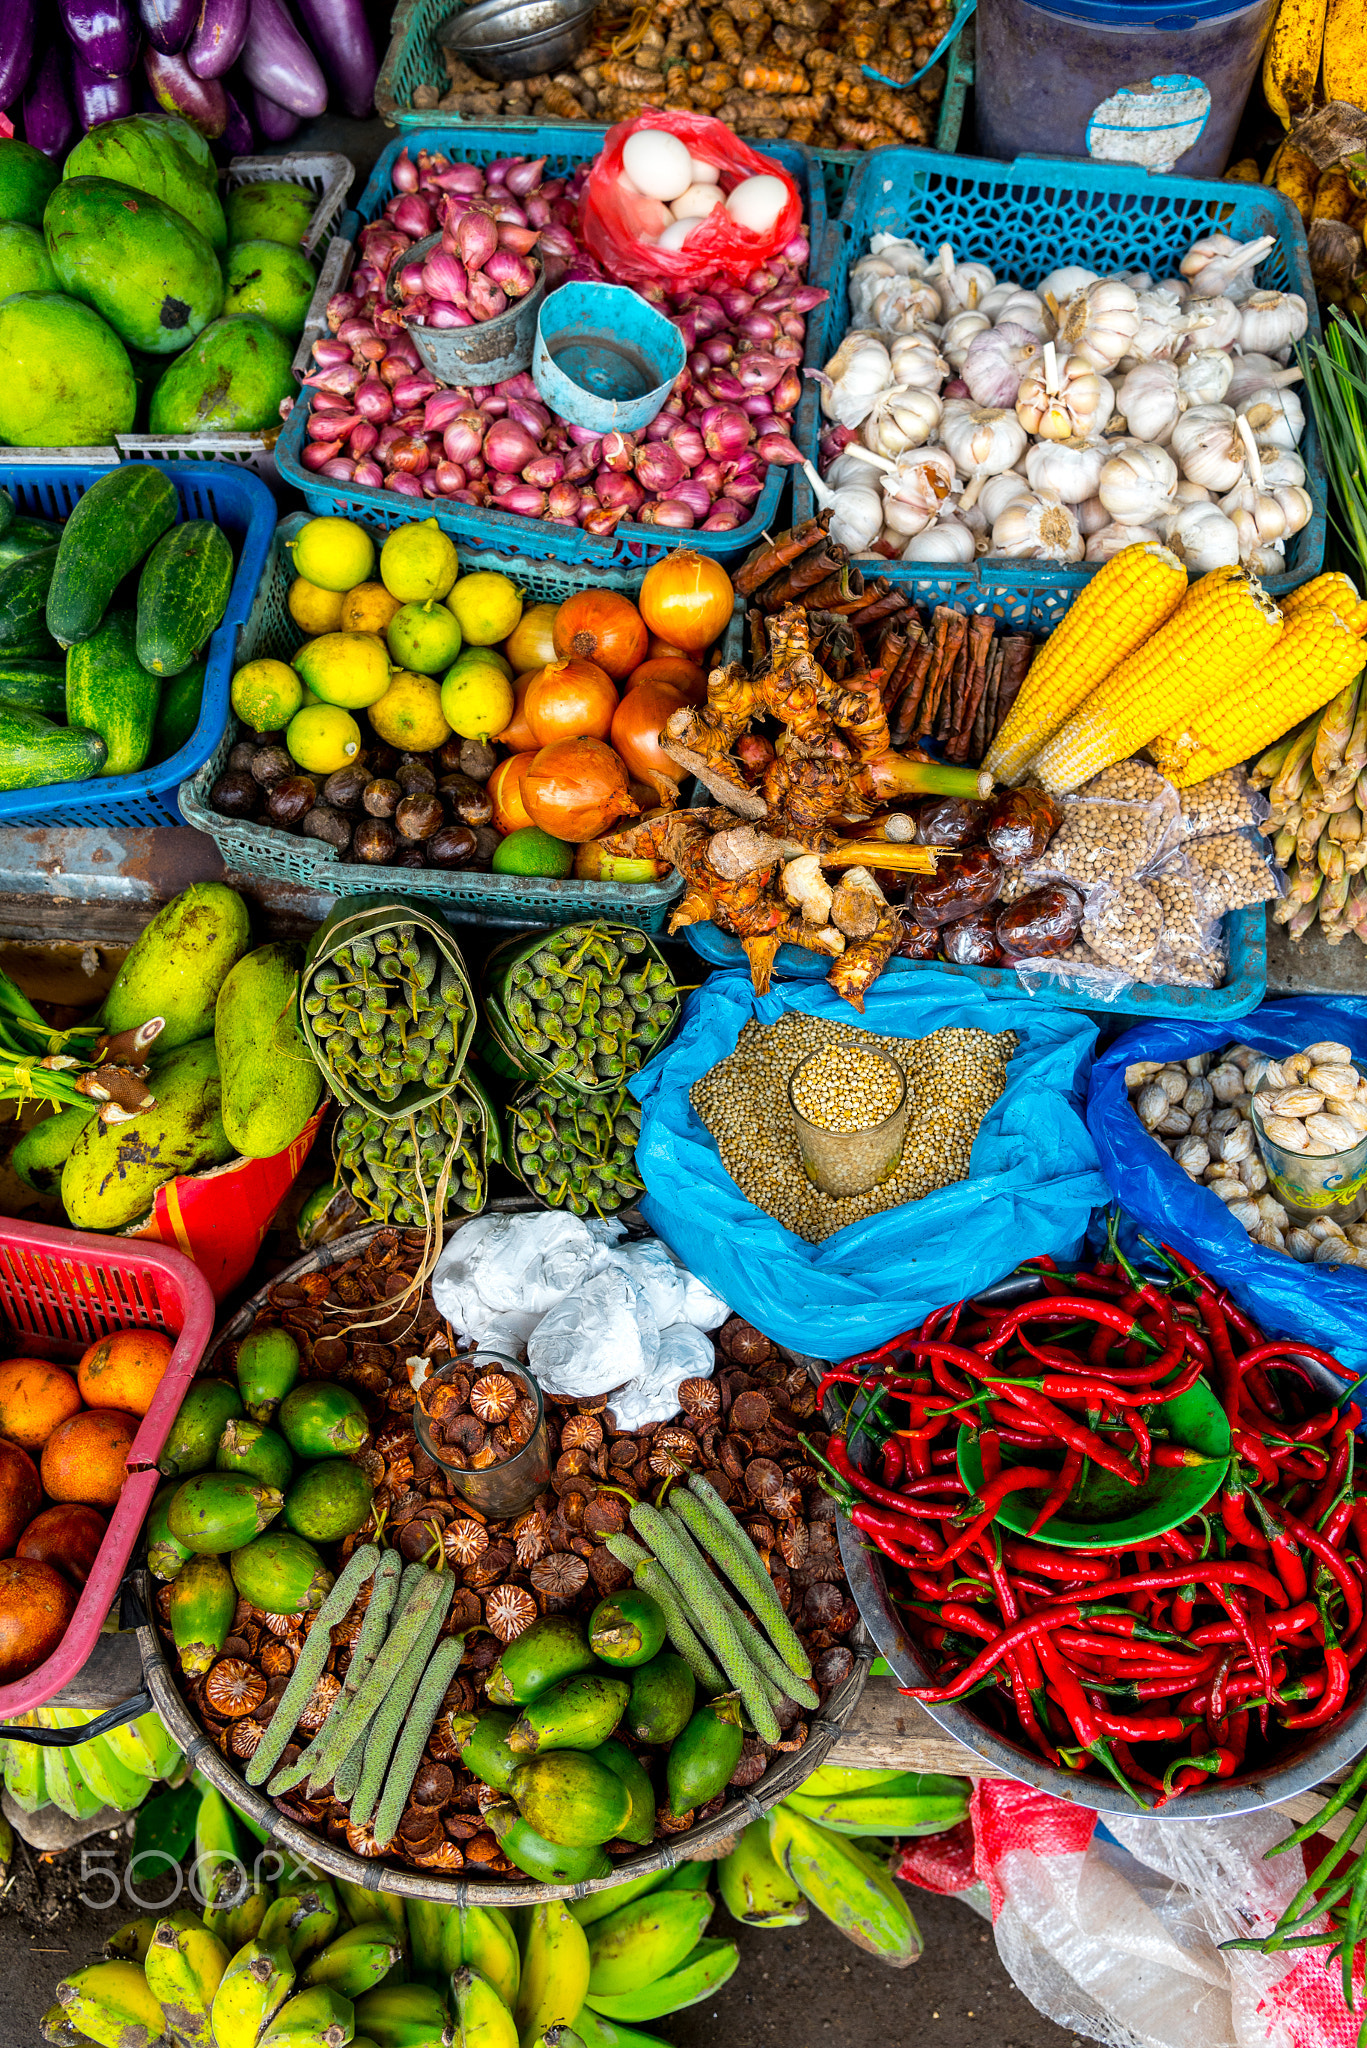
[
  {"x": 677, "y": 671},
  {"x": 687, "y": 598},
  {"x": 636, "y": 729},
  {"x": 570, "y": 700},
  {"x": 604, "y": 627},
  {"x": 505, "y": 791},
  {"x": 575, "y": 789}
]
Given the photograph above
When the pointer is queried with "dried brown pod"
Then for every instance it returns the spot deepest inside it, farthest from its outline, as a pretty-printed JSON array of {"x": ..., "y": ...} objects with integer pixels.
[
  {"x": 482, "y": 1848},
  {"x": 493, "y": 1563},
  {"x": 361, "y": 1840},
  {"x": 785, "y": 1499},
  {"x": 673, "y": 1450},
  {"x": 529, "y": 1536},
  {"x": 833, "y": 1667},
  {"x": 623, "y": 1452},
  {"x": 560, "y": 1575},
  {"x": 441, "y": 1402},
  {"x": 494, "y": 1396},
  {"x": 420, "y": 1828},
  {"x": 245, "y": 1737},
  {"x": 319, "y": 1703},
  {"x": 605, "y": 1515},
  {"x": 509, "y": 1610},
  {"x": 465, "y": 1433},
  {"x": 754, "y": 1762},
  {"x": 760, "y": 1530},
  {"x": 434, "y": 1785},
  {"x": 701, "y": 1399},
  {"x": 581, "y": 1433},
  {"x": 444, "y": 1856},
  {"x": 490, "y": 1455},
  {"x": 466, "y": 1612},
  {"x": 793, "y": 1542},
  {"x": 669, "y": 1824},
  {"x": 741, "y": 1341},
  {"x": 763, "y": 1478},
  {"x": 750, "y": 1411},
  {"x": 234, "y": 1687},
  {"x": 518, "y": 1430},
  {"x": 285, "y": 1625},
  {"x": 574, "y": 1463},
  {"x": 735, "y": 1456},
  {"x": 794, "y": 1738}
]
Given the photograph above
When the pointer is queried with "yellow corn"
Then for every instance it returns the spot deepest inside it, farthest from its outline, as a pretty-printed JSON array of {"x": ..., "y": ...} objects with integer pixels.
[
  {"x": 1122, "y": 605},
  {"x": 1291, "y": 61},
  {"x": 1312, "y": 660},
  {"x": 1345, "y": 52},
  {"x": 1336, "y": 593},
  {"x": 1222, "y": 627}
]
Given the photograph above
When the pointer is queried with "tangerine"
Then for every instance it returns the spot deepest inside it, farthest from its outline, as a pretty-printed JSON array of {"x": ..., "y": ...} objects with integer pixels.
[
  {"x": 85, "y": 1458},
  {"x": 124, "y": 1370},
  {"x": 36, "y": 1604},
  {"x": 20, "y": 1494},
  {"x": 34, "y": 1398},
  {"x": 67, "y": 1537}
]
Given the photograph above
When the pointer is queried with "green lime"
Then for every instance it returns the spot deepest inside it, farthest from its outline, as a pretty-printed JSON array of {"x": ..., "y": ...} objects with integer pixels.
[
  {"x": 335, "y": 554},
  {"x": 531, "y": 851},
  {"x": 418, "y": 562},
  {"x": 266, "y": 694},
  {"x": 487, "y": 605},
  {"x": 424, "y": 637},
  {"x": 323, "y": 738}
]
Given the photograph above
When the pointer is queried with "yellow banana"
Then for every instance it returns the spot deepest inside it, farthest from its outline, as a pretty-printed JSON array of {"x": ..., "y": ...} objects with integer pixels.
[
  {"x": 1291, "y": 60},
  {"x": 1345, "y": 53},
  {"x": 113, "y": 2005},
  {"x": 405, "y": 2016},
  {"x": 555, "y": 1972},
  {"x": 357, "y": 1960},
  {"x": 252, "y": 1990},
  {"x": 703, "y": 1970},
  {"x": 362, "y": 1904},
  {"x": 317, "y": 2018},
  {"x": 427, "y": 1922},
  {"x": 130, "y": 1943},
  {"x": 847, "y": 1885},
  {"x": 834, "y": 1783},
  {"x": 312, "y": 1917},
  {"x": 597, "y": 1905},
  {"x": 482, "y": 2019},
  {"x": 646, "y": 1940},
  {"x": 596, "y": 2032},
  {"x": 184, "y": 1967},
  {"x": 57, "y": 2030},
  {"x": 755, "y": 1890},
  {"x": 483, "y": 1937}
]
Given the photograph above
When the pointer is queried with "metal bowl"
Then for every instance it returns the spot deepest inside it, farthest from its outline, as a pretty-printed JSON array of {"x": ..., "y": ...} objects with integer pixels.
[{"x": 506, "y": 39}]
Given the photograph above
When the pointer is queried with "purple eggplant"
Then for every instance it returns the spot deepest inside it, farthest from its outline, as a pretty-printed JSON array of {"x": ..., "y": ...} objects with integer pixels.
[
  {"x": 340, "y": 33},
  {"x": 104, "y": 34},
  {"x": 98, "y": 98},
  {"x": 275, "y": 122},
  {"x": 238, "y": 138},
  {"x": 219, "y": 34},
  {"x": 18, "y": 47},
  {"x": 280, "y": 64},
  {"x": 49, "y": 123},
  {"x": 200, "y": 101},
  {"x": 168, "y": 23}
]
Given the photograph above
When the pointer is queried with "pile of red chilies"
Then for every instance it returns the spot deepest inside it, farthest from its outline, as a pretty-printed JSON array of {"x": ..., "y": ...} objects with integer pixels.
[{"x": 1253, "y": 1608}]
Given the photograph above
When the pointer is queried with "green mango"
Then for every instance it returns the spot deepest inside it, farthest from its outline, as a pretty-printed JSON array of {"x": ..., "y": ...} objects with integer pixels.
[
  {"x": 271, "y": 1082},
  {"x": 218, "y": 1511},
  {"x": 68, "y": 382},
  {"x": 278, "y": 211},
  {"x": 628, "y": 1628},
  {"x": 703, "y": 1756},
  {"x": 27, "y": 181},
  {"x": 282, "y": 1573},
  {"x": 230, "y": 380},
  {"x": 549, "y": 1862},
  {"x": 202, "y": 1604},
  {"x": 178, "y": 965},
  {"x": 204, "y": 1414},
  {"x": 482, "y": 1740},
  {"x": 626, "y": 1765},
  {"x": 136, "y": 261},
  {"x": 42, "y": 1152},
  {"x": 161, "y": 155},
  {"x": 255, "y": 1451},
  {"x": 328, "y": 1500},
  {"x": 571, "y": 1799},
  {"x": 165, "y": 1552},
  {"x": 553, "y": 1648},
  {"x": 25, "y": 265},
  {"x": 576, "y": 1713},
  {"x": 662, "y": 1696},
  {"x": 267, "y": 1367},
  {"x": 270, "y": 281},
  {"x": 322, "y": 1420}
]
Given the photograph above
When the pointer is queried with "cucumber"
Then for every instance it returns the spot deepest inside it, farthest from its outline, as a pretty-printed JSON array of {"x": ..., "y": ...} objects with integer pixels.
[
  {"x": 110, "y": 692},
  {"x": 23, "y": 595},
  {"x": 34, "y": 686},
  {"x": 7, "y": 512},
  {"x": 178, "y": 712},
  {"x": 110, "y": 529},
  {"x": 34, "y": 751},
  {"x": 26, "y": 537},
  {"x": 182, "y": 595}
]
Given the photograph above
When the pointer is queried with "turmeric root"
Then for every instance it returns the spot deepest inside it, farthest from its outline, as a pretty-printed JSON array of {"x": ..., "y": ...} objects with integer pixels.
[
  {"x": 781, "y": 79},
  {"x": 725, "y": 35}
]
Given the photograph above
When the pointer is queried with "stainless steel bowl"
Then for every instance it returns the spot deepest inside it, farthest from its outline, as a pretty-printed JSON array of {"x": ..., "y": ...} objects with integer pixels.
[{"x": 506, "y": 39}]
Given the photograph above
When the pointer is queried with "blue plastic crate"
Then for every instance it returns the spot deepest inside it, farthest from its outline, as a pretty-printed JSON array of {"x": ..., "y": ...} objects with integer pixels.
[
  {"x": 1023, "y": 219},
  {"x": 238, "y": 502},
  {"x": 507, "y": 533}
]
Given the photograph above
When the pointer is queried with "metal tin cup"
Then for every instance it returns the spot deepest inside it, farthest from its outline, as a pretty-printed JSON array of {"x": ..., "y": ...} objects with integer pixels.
[
  {"x": 499, "y": 1490},
  {"x": 1309, "y": 1184},
  {"x": 485, "y": 353},
  {"x": 605, "y": 359},
  {"x": 851, "y": 1162}
]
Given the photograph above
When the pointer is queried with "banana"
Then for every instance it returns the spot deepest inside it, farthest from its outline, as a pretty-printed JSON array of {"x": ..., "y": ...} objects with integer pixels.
[
  {"x": 832, "y": 1782},
  {"x": 596, "y": 2032},
  {"x": 482, "y": 1936},
  {"x": 58, "y": 2031},
  {"x": 132, "y": 1751},
  {"x": 755, "y": 1890},
  {"x": 426, "y": 1921},
  {"x": 317, "y": 2018},
  {"x": 241, "y": 1923},
  {"x": 359, "y": 1903},
  {"x": 130, "y": 1943},
  {"x": 847, "y": 1885},
  {"x": 302, "y": 1916},
  {"x": 704, "y": 1970},
  {"x": 184, "y": 1967},
  {"x": 555, "y": 1972},
  {"x": 107, "y": 1776},
  {"x": 405, "y": 2016},
  {"x": 482, "y": 2019},
  {"x": 218, "y": 1867},
  {"x": 24, "y": 1772},
  {"x": 357, "y": 1960},
  {"x": 66, "y": 1788},
  {"x": 113, "y": 2005},
  {"x": 252, "y": 1990},
  {"x": 916, "y": 1803},
  {"x": 597, "y": 1905},
  {"x": 646, "y": 1940},
  {"x": 559, "y": 2037}
]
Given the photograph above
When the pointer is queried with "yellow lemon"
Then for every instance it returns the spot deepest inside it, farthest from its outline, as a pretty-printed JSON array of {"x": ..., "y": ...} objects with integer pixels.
[
  {"x": 409, "y": 715},
  {"x": 351, "y": 669},
  {"x": 323, "y": 739},
  {"x": 476, "y": 700},
  {"x": 266, "y": 694},
  {"x": 313, "y": 609},
  {"x": 488, "y": 606},
  {"x": 418, "y": 562},
  {"x": 336, "y": 554},
  {"x": 484, "y": 657},
  {"x": 368, "y": 609}
]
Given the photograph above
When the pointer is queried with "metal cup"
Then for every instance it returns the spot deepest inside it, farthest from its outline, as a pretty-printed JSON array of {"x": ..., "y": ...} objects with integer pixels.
[{"x": 499, "y": 1490}]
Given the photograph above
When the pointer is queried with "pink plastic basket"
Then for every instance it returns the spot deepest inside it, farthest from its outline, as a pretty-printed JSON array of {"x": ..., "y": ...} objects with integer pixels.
[{"x": 61, "y": 1291}]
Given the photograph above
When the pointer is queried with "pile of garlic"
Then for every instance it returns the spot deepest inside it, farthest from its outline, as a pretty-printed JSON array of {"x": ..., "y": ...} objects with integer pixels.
[
  {"x": 1199, "y": 1111},
  {"x": 973, "y": 416}
]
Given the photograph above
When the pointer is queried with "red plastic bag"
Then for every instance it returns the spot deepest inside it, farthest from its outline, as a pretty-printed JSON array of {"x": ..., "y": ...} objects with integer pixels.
[{"x": 614, "y": 222}]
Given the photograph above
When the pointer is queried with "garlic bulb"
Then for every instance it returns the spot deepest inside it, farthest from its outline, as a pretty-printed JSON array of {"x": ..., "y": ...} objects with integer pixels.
[
  {"x": 1070, "y": 470},
  {"x": 902, "y": 254},
  {"x": 1282, "y": 468},
  {"x": 960, "y": 285},
  {"x": 1207, "y": 443},
  {"x": 944, "y": 540},
  {"x": 900, "y": 420},
  {"x": 1159, "y": 329},
  {"x": 1205, "y": 376},
  {"x": 856, "y": 510},
  {"x": 996, "y": 362},
  {"x": 1039, "y": 528},
  {"x": 1060, "y": 284},
  {"x": 1060, "y": 396},
  {"x": 1209, "y": 323},
  {"x": 1137, "y": 484},
  {"x": 1267, "y": 559},
  {"x": 1100, "y": 322},
  {"x": 1262, "y": 515},
  {"x": 901, "y": 305},
  {"x": 1114, "y": 539},
  {"x": 992, "y": 301},
  {"x": 959, "y": 332},
  {"x": 914, "y": 488},
  {"x": 1151, "y": 400},
  {"x": 1219, "y": 264},
  {"x": 855, "y": 378},
  {"x": 1269, "y": 321},
  {"x": 865, "y": 276},
  {"x": 1188, "y": 493},
  {"x": 853, "y": 467},
  {"x": 998, "y": 492},
  {"x": 1203, "y": 537},
  {"x": 917, "y": 364},
  {"x": 1258, "y": 374},
  {"x": 1092, "y": 516},
  {"x": 1178, "y": 289},
  {"x": 1028, "y": 310},
  {"x": 1276, "y": 417},
  {"x": 984, "y": 440}
]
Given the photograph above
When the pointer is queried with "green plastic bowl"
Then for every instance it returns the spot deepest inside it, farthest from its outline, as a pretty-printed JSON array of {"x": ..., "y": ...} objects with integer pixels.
[{"x": 1102, "y": 1513}]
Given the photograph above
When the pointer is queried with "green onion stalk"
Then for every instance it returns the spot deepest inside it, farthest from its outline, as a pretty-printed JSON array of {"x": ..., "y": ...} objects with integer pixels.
[
  {"x": 1335, "y": 373},
  {"x": 70, "y": 1068}
]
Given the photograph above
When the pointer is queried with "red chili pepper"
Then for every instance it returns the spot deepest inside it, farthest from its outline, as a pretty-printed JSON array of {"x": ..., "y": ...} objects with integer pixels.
[
  {"x": 1011, "y": 1479},
  {"x": 892, "y": 1463},
  {"x": 1172, "y": 1457},
  {"x": 1087, "y": 1441},
  {"x": 1227, "y": 1380},
  {"x": 1291, "y": 1622},
  {"x": 1080, "y": 1715},
  {"x": 1142, "y": 1727},
  {"x": 990, "y": 1448},
  {"x": 1342, "y": 1572},
  {"x": 1062, "y": 1309},
  {"x": 916, "y": 1536},
  {"x": 1337, "y": 1674},
  {"x": 1234, "y": 1514},
  {"x": 1289, "y": 1350},
  {"x": 1055, "y": 1564},
  {"x": 1239, "y": 1687},
  {"x": 1059, "y": 1491}
]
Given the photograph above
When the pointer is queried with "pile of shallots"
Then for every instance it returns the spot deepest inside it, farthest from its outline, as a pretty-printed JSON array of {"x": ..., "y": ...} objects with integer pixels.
[
  {"x": 972, "y": 416},
  {"x": 379, "y": 419}
]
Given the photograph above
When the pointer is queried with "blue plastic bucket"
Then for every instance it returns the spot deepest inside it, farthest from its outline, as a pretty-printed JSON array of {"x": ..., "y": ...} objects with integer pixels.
[
  {"x": 1161, "y": 83},
  {"x": 605, "y": 359}
]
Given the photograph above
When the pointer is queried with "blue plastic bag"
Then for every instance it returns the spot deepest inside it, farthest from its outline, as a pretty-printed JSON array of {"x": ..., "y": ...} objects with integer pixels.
[
  {"x": 1322, "y": 1305},
  {"x": 1034, "y": 1182}
]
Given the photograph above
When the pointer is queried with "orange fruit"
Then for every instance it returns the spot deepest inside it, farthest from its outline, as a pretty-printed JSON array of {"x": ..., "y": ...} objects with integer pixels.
[
  {"x": 67, "y": 1537},
  {"x": 20, "y": 1494},
  {"x": 84, "y": 1458},
  {"x": 124, "y": 1370},
  {"x": 34, "y": 1398},
  {"x": 36, "y": 1604}
]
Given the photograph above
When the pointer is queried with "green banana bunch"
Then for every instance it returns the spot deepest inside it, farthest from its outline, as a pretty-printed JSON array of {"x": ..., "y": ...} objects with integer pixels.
[
  {"x": 849, "y": 1886},
  {"x": 357, "y": 1960},
  {"x": 482, "y": 1937},
  {"x": 755, "y": 1889},
  {"x": 405, "y": 2016},
  {"x": 317, "y": 2018},
  {"x": 482, "y": 2019},
  {"x": 115, "y": 1769},
  {"x": 905, "y": 1803},
  {"x": 183, "y": 1968}
]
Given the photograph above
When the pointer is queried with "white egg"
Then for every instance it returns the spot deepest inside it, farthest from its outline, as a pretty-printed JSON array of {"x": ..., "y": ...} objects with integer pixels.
[
  {"x": 697, "y": 201},
  {"x": 757, "y": 202},
  {"x": 703, "y": 174},
  {"x": 658, "y": 164},
  {"x": 677, "y": 233},
  {"x": 626, "y": 185}
]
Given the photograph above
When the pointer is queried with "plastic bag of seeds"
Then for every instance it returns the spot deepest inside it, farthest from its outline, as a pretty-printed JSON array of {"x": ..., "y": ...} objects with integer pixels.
[
  {"x": 1234, "y": 868},
  {"x": 575, "y": 1151},
  {"x": 586, "y": 1005},
  {"x": 1103, "y": 840},
  {"x": 1192, "y": 952},
  {"x": 1226, "y": 802},
  {"x": 1123, "y": 924}
]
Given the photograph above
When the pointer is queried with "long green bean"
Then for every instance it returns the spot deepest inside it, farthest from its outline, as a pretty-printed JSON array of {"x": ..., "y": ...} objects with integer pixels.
[
  {"x": 761, "y": 1653},
  {"x": 698, "y": 1589},
  {"x": 312, "y": 1657},
  {"x": 745, "y": 1568}
]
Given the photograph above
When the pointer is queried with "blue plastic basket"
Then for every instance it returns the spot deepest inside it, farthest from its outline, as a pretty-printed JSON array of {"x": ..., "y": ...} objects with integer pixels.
[
  {"x": 507, "y": 533},
  {"x": 1023, "y": 219},
  {"x": 238, "y": 502}
]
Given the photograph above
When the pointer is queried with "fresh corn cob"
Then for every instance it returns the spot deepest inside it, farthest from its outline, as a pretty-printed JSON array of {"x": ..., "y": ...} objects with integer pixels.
[
  {"x": 1333, "y": 591},
  {"x": 1313, "y": 661},
  {"x": 1222, "y": 628},
  {"x": 1291, "y": 60},
  {"x": 1121, "y": 607}
]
